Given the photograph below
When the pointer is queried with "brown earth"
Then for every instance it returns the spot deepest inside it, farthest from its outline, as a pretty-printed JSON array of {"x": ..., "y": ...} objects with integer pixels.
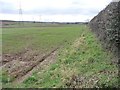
[{"x": 21, "y": 65}]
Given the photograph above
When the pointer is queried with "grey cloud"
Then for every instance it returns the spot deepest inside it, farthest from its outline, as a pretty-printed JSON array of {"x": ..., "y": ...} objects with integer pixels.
[
  {"x": 10, "y": 9},
  {"x": 53, "y": 11}
]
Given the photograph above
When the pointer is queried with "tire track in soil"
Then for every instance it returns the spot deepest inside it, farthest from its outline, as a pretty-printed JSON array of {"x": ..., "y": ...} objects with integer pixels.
[{"x": 45, "y": 60}]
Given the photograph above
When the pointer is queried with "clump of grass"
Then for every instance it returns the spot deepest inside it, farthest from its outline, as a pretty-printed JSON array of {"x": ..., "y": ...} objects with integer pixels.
[{"x": 5, "y": 77}]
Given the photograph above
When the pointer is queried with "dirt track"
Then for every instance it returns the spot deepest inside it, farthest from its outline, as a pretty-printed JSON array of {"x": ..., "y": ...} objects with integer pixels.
[{"x": 21, "y": 66}]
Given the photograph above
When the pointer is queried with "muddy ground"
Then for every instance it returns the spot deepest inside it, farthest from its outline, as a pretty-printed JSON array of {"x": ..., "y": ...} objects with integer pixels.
[{"x": 21, "y": 65}]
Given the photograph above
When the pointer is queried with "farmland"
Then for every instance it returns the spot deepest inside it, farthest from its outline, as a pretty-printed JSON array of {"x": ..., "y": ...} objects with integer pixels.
[{"x": 55, "y": 55}]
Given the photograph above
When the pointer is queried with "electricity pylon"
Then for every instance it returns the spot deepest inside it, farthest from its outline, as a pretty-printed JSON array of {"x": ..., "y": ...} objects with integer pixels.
[{"x": 20, "y": 15}]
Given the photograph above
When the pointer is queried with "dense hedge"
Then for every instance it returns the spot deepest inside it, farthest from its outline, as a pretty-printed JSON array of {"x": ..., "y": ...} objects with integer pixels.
[{"x": 106, "y": 26}]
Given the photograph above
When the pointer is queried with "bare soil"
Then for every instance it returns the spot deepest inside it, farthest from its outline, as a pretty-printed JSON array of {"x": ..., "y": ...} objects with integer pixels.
[{"x": 21, "y": 65}]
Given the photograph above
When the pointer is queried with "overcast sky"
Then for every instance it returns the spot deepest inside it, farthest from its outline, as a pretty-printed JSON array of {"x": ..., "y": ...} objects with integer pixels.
[{"x": 52, "y": 10}]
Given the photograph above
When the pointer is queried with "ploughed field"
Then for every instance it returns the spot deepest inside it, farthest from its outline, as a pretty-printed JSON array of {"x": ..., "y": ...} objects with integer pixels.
[{"x": 63, "y": 51}]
